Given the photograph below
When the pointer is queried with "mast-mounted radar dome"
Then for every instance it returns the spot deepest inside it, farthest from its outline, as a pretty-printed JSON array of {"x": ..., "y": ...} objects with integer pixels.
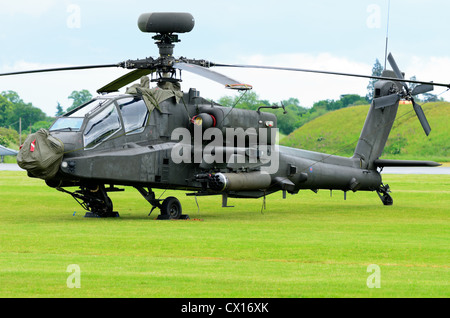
[{"x": 166, "y": 22}]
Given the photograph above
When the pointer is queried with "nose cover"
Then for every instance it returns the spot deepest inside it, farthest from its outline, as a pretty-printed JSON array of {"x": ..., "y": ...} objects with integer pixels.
[{"x": 41, "y": 155}]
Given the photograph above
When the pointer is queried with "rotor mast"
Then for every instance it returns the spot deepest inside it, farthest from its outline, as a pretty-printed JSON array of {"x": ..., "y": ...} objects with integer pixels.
[
  {"x": 165, "y": 24},
  {"x": 165, "y": 43}
]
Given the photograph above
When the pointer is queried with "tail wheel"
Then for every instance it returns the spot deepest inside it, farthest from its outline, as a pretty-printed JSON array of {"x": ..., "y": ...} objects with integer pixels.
[{"x": 171, "y": 207}]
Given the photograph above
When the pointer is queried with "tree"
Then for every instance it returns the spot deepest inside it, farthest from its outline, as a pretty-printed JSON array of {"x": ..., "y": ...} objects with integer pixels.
[
  {"x": 377, "y": 70},
  {"x": 296, "y": 115},
  {"x": 19, "y": 110},
  {"x": 412, "y": 85},
  {"x": 59, "y": 110},
  {"x": 428, "y": 97},
  {"x": 6, "y": 107},
  {"x": 246, "y": 100},
  {"x": 9, "y": 137},
  {"x": 40, "y": 124},
  {"x": 352, "y": 100},
  {"x": 79, "y": 98}
]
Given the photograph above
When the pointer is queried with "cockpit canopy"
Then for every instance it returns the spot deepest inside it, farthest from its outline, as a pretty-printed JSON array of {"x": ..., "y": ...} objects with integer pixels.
[{"x": 101, "y": 118}]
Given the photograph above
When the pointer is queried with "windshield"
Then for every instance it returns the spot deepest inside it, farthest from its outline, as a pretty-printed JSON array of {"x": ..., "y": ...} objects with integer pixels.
[
  {"x": 73, "y": 121},
  {"x": 67, "y": 123}
]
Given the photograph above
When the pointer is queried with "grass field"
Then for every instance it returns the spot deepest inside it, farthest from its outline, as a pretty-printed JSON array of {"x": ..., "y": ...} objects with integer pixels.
[{"x": 309, "y": 245}]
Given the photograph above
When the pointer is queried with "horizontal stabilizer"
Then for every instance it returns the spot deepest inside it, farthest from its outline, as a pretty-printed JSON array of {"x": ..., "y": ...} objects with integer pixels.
[{"x": 404, "y": 163}]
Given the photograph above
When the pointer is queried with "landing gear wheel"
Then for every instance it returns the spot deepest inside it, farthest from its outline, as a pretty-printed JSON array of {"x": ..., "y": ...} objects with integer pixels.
[
  {"x": 383, "y": 193},
  {"x": 171, "y": 208}
]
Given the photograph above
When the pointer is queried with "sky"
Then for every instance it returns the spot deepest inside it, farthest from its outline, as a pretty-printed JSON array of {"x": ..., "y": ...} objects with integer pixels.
[{"x": 341, "y": 36}]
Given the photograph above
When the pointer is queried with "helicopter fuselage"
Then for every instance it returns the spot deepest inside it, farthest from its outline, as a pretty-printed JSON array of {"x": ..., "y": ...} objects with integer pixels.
[{"x": 109, "y": 148}]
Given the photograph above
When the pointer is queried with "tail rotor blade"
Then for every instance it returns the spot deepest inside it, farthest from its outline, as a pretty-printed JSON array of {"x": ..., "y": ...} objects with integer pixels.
[
  {"x": 421, "y": 89},
  {"x": 421, "y": 115},
  {"x": 396, "y": 69},
  {"x": 394, "y": 66},
  {"x": 386, "y": 101}
]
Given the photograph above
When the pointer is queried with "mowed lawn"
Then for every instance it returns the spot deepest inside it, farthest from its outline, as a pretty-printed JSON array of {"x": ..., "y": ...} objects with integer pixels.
[{"x": 308, "y": 245}]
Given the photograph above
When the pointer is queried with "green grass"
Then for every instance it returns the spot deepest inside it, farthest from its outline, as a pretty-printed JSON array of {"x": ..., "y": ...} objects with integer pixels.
[
  {"x": 309, "y": 245},
  {"x": 338, "y": 132}
]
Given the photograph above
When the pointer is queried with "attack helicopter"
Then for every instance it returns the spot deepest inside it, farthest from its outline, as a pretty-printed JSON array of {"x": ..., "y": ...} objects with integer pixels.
[{"x": 163, "y": 138}]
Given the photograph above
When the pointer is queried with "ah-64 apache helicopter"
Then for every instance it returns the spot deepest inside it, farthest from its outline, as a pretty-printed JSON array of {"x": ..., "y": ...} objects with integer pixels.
[{"x": 133, "y": 139}]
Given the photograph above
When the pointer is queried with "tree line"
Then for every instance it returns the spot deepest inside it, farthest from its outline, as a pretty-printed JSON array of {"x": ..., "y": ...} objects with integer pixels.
[
  {"x": 296, "y": 115},
  {"x": 14, "y": 112},
  {"x": 16, "y": 115}
]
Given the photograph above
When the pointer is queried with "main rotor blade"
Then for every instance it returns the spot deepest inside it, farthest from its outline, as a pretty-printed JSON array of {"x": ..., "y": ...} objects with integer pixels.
[
  {"x": 277, "y": 68},
  {"x": 421, "y": 115},
  {"x": 69, "y": 68},
  {"x": 124, "y": 80},
  {"x": 214, "y": 76},
  {"x": 386, "y": 101}
]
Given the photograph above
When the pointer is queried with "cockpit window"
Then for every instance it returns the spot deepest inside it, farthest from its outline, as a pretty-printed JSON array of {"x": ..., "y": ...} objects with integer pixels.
[
  {"x": 73, "y": 121},
  {"x": 67, "y": 123},
  {"x": 87, "y": 108},
  {"x": 101, "y": 126},
  {"x": 134, "y": 114}
]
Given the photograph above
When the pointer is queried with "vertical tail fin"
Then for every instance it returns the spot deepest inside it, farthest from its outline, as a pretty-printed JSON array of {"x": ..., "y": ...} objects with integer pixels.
[
  {"x": 378, "y": 122},
  {"x": 382, "y": 114}
]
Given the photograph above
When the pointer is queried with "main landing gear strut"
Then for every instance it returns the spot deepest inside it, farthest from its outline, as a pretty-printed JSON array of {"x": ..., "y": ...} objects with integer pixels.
[
  {"x": 170, "y": 207},
  {"x": 96, "y": 201}
]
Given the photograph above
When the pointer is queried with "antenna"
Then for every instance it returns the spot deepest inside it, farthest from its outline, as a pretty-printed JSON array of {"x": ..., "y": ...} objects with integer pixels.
[{"x": 387, "y": 34}]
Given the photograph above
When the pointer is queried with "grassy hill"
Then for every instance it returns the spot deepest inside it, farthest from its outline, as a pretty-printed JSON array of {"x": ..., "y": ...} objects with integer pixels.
[{"x": 338, "y": 132}]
